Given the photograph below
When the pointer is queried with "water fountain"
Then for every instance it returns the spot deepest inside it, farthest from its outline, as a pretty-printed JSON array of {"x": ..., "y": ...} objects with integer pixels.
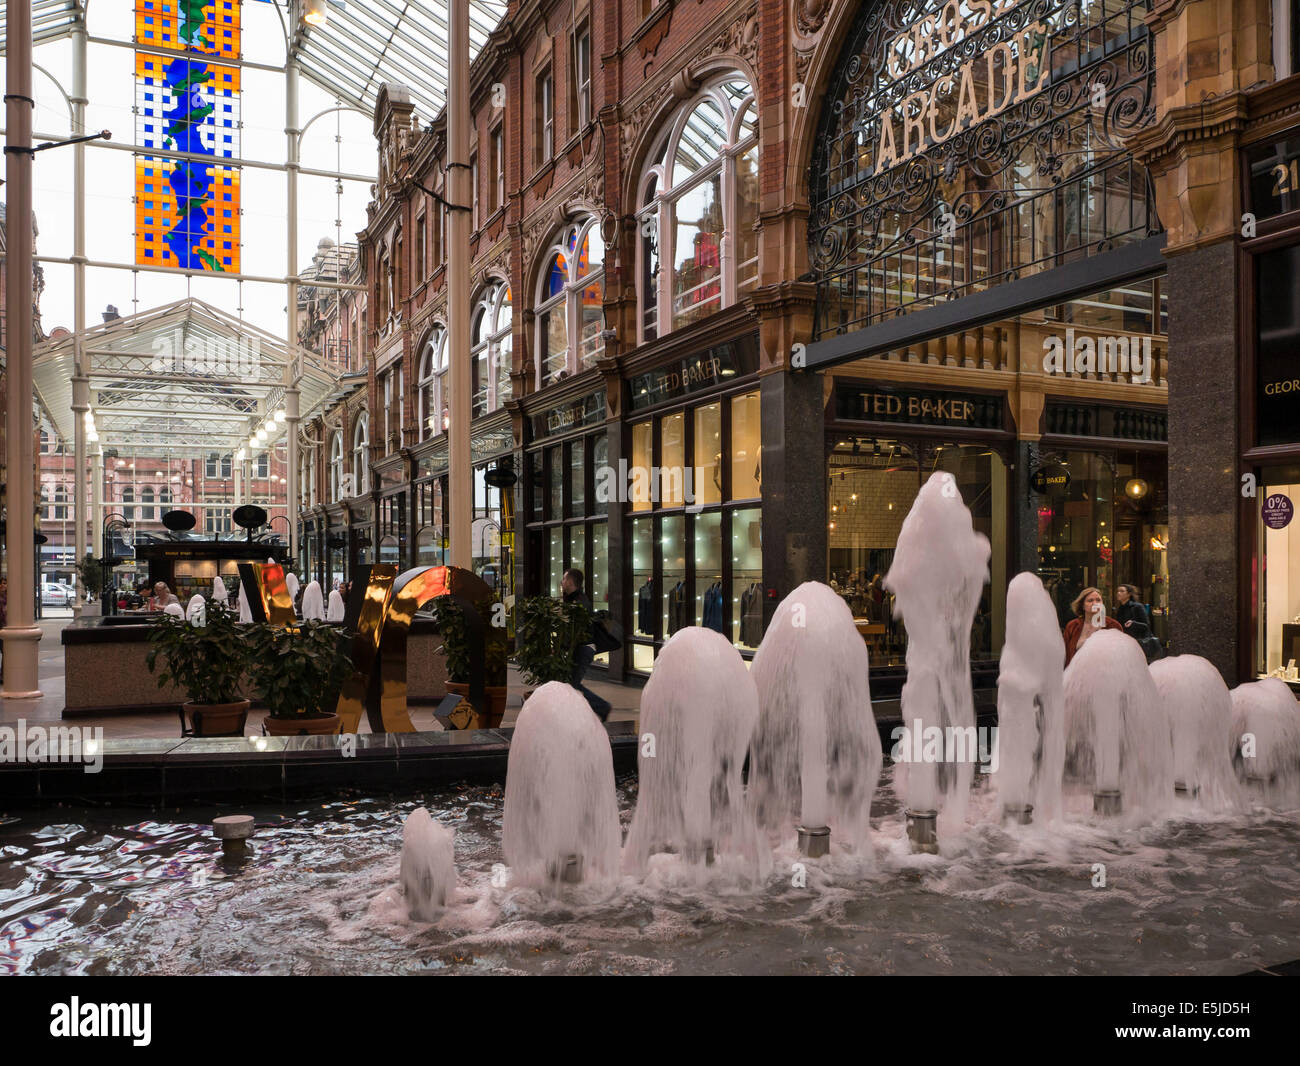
[
  {"x": 1265, "y": 737},
  {"x": 428, "y": 870},
  {"x": 938, "y": 575},
  {"x": 698, "y": 711},
  {"x": 561, "y": 816},
  {"x": 313, "y": 602},
  {"x": 1116, "y": 727},
  {"x": 816, "y": 750},
  {"x": 337, "y": 608},
  {"x": 1200, "y": 715},
  {"x": 1031, "y": 705},
  {"x": 245, "y": 612}
]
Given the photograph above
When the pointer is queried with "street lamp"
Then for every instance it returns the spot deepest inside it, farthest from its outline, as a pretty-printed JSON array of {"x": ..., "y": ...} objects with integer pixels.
[{"x": 112, "y": 523}]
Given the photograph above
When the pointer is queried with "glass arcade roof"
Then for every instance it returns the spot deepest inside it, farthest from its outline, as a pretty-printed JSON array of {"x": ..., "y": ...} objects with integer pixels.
[
  {"x": 362, "y": 44},
  {"x": 185, "y": 379}
]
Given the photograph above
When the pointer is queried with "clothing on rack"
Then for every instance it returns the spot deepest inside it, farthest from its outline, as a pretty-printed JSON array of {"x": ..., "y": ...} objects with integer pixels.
[
  {"x": 712, "y": 617},
  {"x": 751, "y": 615},
  {"x": 677, "y": 608},
  {"x": 645, "y": 608}
]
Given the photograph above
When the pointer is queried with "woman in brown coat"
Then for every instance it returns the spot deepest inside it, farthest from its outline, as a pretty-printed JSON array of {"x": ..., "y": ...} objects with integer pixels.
[{"x": 1090, "y": 611}]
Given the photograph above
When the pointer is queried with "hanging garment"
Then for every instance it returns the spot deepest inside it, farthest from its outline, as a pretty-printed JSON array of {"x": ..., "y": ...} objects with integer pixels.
[
  {"x": 677, "y": 608},
  {"x": 712, "y": 618},
  {"x": 645, "y": 609},
  {"x": 751, "y": 616}
]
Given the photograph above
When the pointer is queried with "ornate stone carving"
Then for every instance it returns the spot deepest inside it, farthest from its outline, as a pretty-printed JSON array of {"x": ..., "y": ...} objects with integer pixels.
[{"x": 810, "y": 16}]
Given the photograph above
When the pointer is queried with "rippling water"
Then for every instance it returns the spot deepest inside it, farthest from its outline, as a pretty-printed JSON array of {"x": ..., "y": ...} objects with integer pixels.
[{"x": 82, "y": 893}]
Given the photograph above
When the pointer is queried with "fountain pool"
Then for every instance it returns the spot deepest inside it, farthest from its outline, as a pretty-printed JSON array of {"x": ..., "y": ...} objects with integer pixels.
[{"x": 122, "y": 893}]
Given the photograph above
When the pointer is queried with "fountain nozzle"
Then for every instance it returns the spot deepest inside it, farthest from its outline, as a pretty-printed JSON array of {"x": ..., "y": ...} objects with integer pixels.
[
  {"x": 1019, "y": 813},
  {"x": 569, "y": 870},
  {"x": 233, "y": 830},
  {"x": 1107, "y": 801},
  {"x": 923, "y": 831},
  {"x": 815, "y": 841}
]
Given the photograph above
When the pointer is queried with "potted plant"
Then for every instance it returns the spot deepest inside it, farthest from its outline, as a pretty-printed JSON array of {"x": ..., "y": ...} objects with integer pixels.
[
  {"x": 92, "y": 572},
  {"x": 207, "y": 662},
  {"x": 454, "y": 630},
  {"x": 299, "y": 672},
  {"x": 548, "y": 633}
]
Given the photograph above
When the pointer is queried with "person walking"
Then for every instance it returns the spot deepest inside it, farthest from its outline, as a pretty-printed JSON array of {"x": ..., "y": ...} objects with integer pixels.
[
  {"x": 1089, "y": 617},
  {"x": 1135, "y": 617},
  {"x": 571, "y": 585}
]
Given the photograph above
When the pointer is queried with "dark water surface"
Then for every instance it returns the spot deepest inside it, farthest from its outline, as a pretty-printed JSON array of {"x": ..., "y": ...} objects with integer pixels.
[{"x": 120, "y": 892}]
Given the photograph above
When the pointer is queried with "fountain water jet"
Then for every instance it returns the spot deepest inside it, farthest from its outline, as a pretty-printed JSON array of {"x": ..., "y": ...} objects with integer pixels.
[
  {"x": 698, "y": 710},
  {"x": 1031, "y": 705},
  {"x": 1117, "y": 731},
  {"x": 938, "y": 575},
  {"x": 561, "y": 813},
  {"x": 313, "y": 602},
  {"x": 1265, "y": 736},
  {"x": 1200, "y": 714},
  {"x": 816, "y": 750},
  {"x": 428, "y": 871}
]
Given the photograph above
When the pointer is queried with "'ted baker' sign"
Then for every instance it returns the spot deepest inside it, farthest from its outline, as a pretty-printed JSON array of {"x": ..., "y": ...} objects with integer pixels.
[{"x": 860, "y": 403}]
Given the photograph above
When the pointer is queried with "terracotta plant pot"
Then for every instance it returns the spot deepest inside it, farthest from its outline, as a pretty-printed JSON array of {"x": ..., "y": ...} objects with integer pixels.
[
  {"x": 496, "y": 700},
  {"x": 216, "y": 719},
  {"x": 302, "y": 727}
]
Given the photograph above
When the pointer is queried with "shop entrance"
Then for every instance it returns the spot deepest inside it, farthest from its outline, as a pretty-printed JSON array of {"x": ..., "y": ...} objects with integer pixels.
[{"x": 872, "y": 483}]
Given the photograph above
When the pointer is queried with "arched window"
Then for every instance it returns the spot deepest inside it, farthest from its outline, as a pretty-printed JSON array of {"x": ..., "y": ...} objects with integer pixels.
[
  {"x": 697, "y": 248},
  {"x": 491, "y": 347},
  {"x": 164, "y": 501},
  {"x": 336, "y": 467},
  {"x": 361, "y": 455},
  {"x": 128, "y": 497},
  {"x": 60, "y": 503},
  {"x": 569, "y": 296},
  {"x": 146, "y": 498},
  {"x": 433, "y": 367}
]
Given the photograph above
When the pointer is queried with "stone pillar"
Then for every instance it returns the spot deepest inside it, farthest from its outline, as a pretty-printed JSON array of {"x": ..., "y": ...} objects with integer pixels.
[
  {"x": 1204, "y": 422},
  {"x": 1208, "y": 53},
  {"x": 794, "y": 483}
]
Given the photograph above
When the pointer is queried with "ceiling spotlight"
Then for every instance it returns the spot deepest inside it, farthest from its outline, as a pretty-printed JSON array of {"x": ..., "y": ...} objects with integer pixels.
[
  {"x": 239, "y": 456},
  {"x": 260, "y": 434},
  {"x": 157, "y": 473},
  {"x": 176, "y": 477},
  {"x": 313, "y": 12},
  {"x": 89, "y": 418},
  {"x": 121, "y": 462},
  {"x": 92, "y": 436},
  {"x": 279, "y": 414}
]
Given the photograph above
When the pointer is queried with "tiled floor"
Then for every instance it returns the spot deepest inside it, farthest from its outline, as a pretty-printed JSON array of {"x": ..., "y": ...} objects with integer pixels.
[{"x": 164, "y": 724}]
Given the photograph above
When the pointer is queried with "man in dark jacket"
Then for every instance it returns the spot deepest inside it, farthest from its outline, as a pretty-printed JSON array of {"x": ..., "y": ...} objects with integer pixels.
[{"x": 571, "y": 586}]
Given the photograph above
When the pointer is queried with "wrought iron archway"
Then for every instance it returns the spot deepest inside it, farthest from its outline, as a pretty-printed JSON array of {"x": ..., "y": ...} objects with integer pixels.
[{"x": 969, "y": 143}]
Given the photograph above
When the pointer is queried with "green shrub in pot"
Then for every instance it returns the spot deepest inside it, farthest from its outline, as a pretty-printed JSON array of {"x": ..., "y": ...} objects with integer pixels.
[
  {"x": 298, "y": 671},
  {"x": 205, "y": 662},
  {"x": 547, "y": 636}
]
